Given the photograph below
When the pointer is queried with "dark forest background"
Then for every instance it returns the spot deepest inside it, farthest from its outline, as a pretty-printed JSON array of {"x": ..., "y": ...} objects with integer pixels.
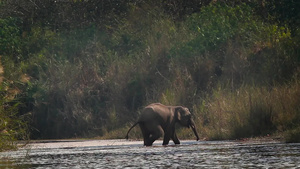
[{"x": 85, "y": 68}]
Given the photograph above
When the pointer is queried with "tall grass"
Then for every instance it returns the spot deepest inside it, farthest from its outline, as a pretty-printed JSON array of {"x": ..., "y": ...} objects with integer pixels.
[{"x": 251, "y": 111}]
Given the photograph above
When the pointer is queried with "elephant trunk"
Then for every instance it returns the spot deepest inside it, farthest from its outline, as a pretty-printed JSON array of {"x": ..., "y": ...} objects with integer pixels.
[{"x": 192, "y": 125}]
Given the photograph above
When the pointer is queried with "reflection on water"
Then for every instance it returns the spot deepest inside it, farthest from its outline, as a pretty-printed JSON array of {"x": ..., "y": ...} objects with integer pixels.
[{"x": 190, "y": 154}]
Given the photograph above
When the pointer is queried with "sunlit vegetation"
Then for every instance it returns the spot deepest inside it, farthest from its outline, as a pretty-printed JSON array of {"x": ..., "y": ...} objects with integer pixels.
[
  {"x": 13, "y": 126},
  {"x": 87, "y": 68}
]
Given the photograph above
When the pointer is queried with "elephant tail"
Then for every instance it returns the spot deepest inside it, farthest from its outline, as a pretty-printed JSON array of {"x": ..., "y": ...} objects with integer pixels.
[{"x": 130, "y": 129}]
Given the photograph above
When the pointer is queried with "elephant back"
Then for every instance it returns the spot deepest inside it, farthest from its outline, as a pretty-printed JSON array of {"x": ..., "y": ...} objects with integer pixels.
[{"x": 157, "y": 112}]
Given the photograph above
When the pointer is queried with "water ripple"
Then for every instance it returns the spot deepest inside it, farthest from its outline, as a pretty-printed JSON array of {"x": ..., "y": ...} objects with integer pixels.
[{"x": 210, "y": 154}]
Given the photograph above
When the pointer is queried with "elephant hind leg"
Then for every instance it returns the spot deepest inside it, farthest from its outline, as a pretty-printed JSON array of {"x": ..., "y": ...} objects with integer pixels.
[
  {"x": 156, "y": 133},
  {"x": 145, "y": 132}
]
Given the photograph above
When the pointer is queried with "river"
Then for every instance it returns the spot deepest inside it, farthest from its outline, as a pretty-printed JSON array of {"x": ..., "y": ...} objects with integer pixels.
[{"x": 132, "y": 154}]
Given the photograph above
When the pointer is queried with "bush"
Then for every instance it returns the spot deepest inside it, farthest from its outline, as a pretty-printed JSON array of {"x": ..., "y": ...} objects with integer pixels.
[
  {"x": 71, "y": 97},
  {"x": 13, "y": 127},
  {"x": 293, "y": 136},
  {"x": 10, "y": 42}
]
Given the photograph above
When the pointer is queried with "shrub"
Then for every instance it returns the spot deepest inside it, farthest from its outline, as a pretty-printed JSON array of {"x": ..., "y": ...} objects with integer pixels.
[{"x": 13, "y": 126}]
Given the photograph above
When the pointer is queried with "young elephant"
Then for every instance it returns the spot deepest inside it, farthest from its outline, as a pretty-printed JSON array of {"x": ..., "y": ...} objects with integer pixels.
[{"x": 159, "y": 120}]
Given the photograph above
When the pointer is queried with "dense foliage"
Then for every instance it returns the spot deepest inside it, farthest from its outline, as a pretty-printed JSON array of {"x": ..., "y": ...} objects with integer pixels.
[
  {"x": 86, "y": 68},
  {"x": 13, "y": 126}
]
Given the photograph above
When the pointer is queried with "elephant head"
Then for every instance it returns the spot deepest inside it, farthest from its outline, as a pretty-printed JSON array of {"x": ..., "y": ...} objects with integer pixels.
[{"x": 184, "y": 117}]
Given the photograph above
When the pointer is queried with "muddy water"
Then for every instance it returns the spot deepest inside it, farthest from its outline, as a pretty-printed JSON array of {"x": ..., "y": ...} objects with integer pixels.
[{"x": 131, "y": 154}]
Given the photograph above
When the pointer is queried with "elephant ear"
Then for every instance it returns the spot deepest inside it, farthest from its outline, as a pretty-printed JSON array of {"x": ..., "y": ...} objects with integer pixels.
[{"x": 178, "y": 112}]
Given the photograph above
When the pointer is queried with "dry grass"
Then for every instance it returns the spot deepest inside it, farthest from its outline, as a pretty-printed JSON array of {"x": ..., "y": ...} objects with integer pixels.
[{"x": 251, "y": 111}]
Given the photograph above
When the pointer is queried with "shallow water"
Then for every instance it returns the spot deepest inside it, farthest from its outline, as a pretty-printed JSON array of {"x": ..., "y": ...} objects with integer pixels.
[{"x": 131, "y": 154}]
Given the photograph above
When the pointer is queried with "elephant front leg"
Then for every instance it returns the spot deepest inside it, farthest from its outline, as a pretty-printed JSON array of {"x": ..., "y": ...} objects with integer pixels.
[
  {"x": 175, "y": 139},
  {"x": 167, "y": 137},
  {"x": 166, "y": 140}
]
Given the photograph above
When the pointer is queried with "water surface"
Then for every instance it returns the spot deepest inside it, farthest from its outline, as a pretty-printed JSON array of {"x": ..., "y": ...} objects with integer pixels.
[{"x": 131, "y": 154}]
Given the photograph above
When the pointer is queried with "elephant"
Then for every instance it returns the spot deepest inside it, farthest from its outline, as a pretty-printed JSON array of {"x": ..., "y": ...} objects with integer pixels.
[{"x": 158, "y": 120}]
